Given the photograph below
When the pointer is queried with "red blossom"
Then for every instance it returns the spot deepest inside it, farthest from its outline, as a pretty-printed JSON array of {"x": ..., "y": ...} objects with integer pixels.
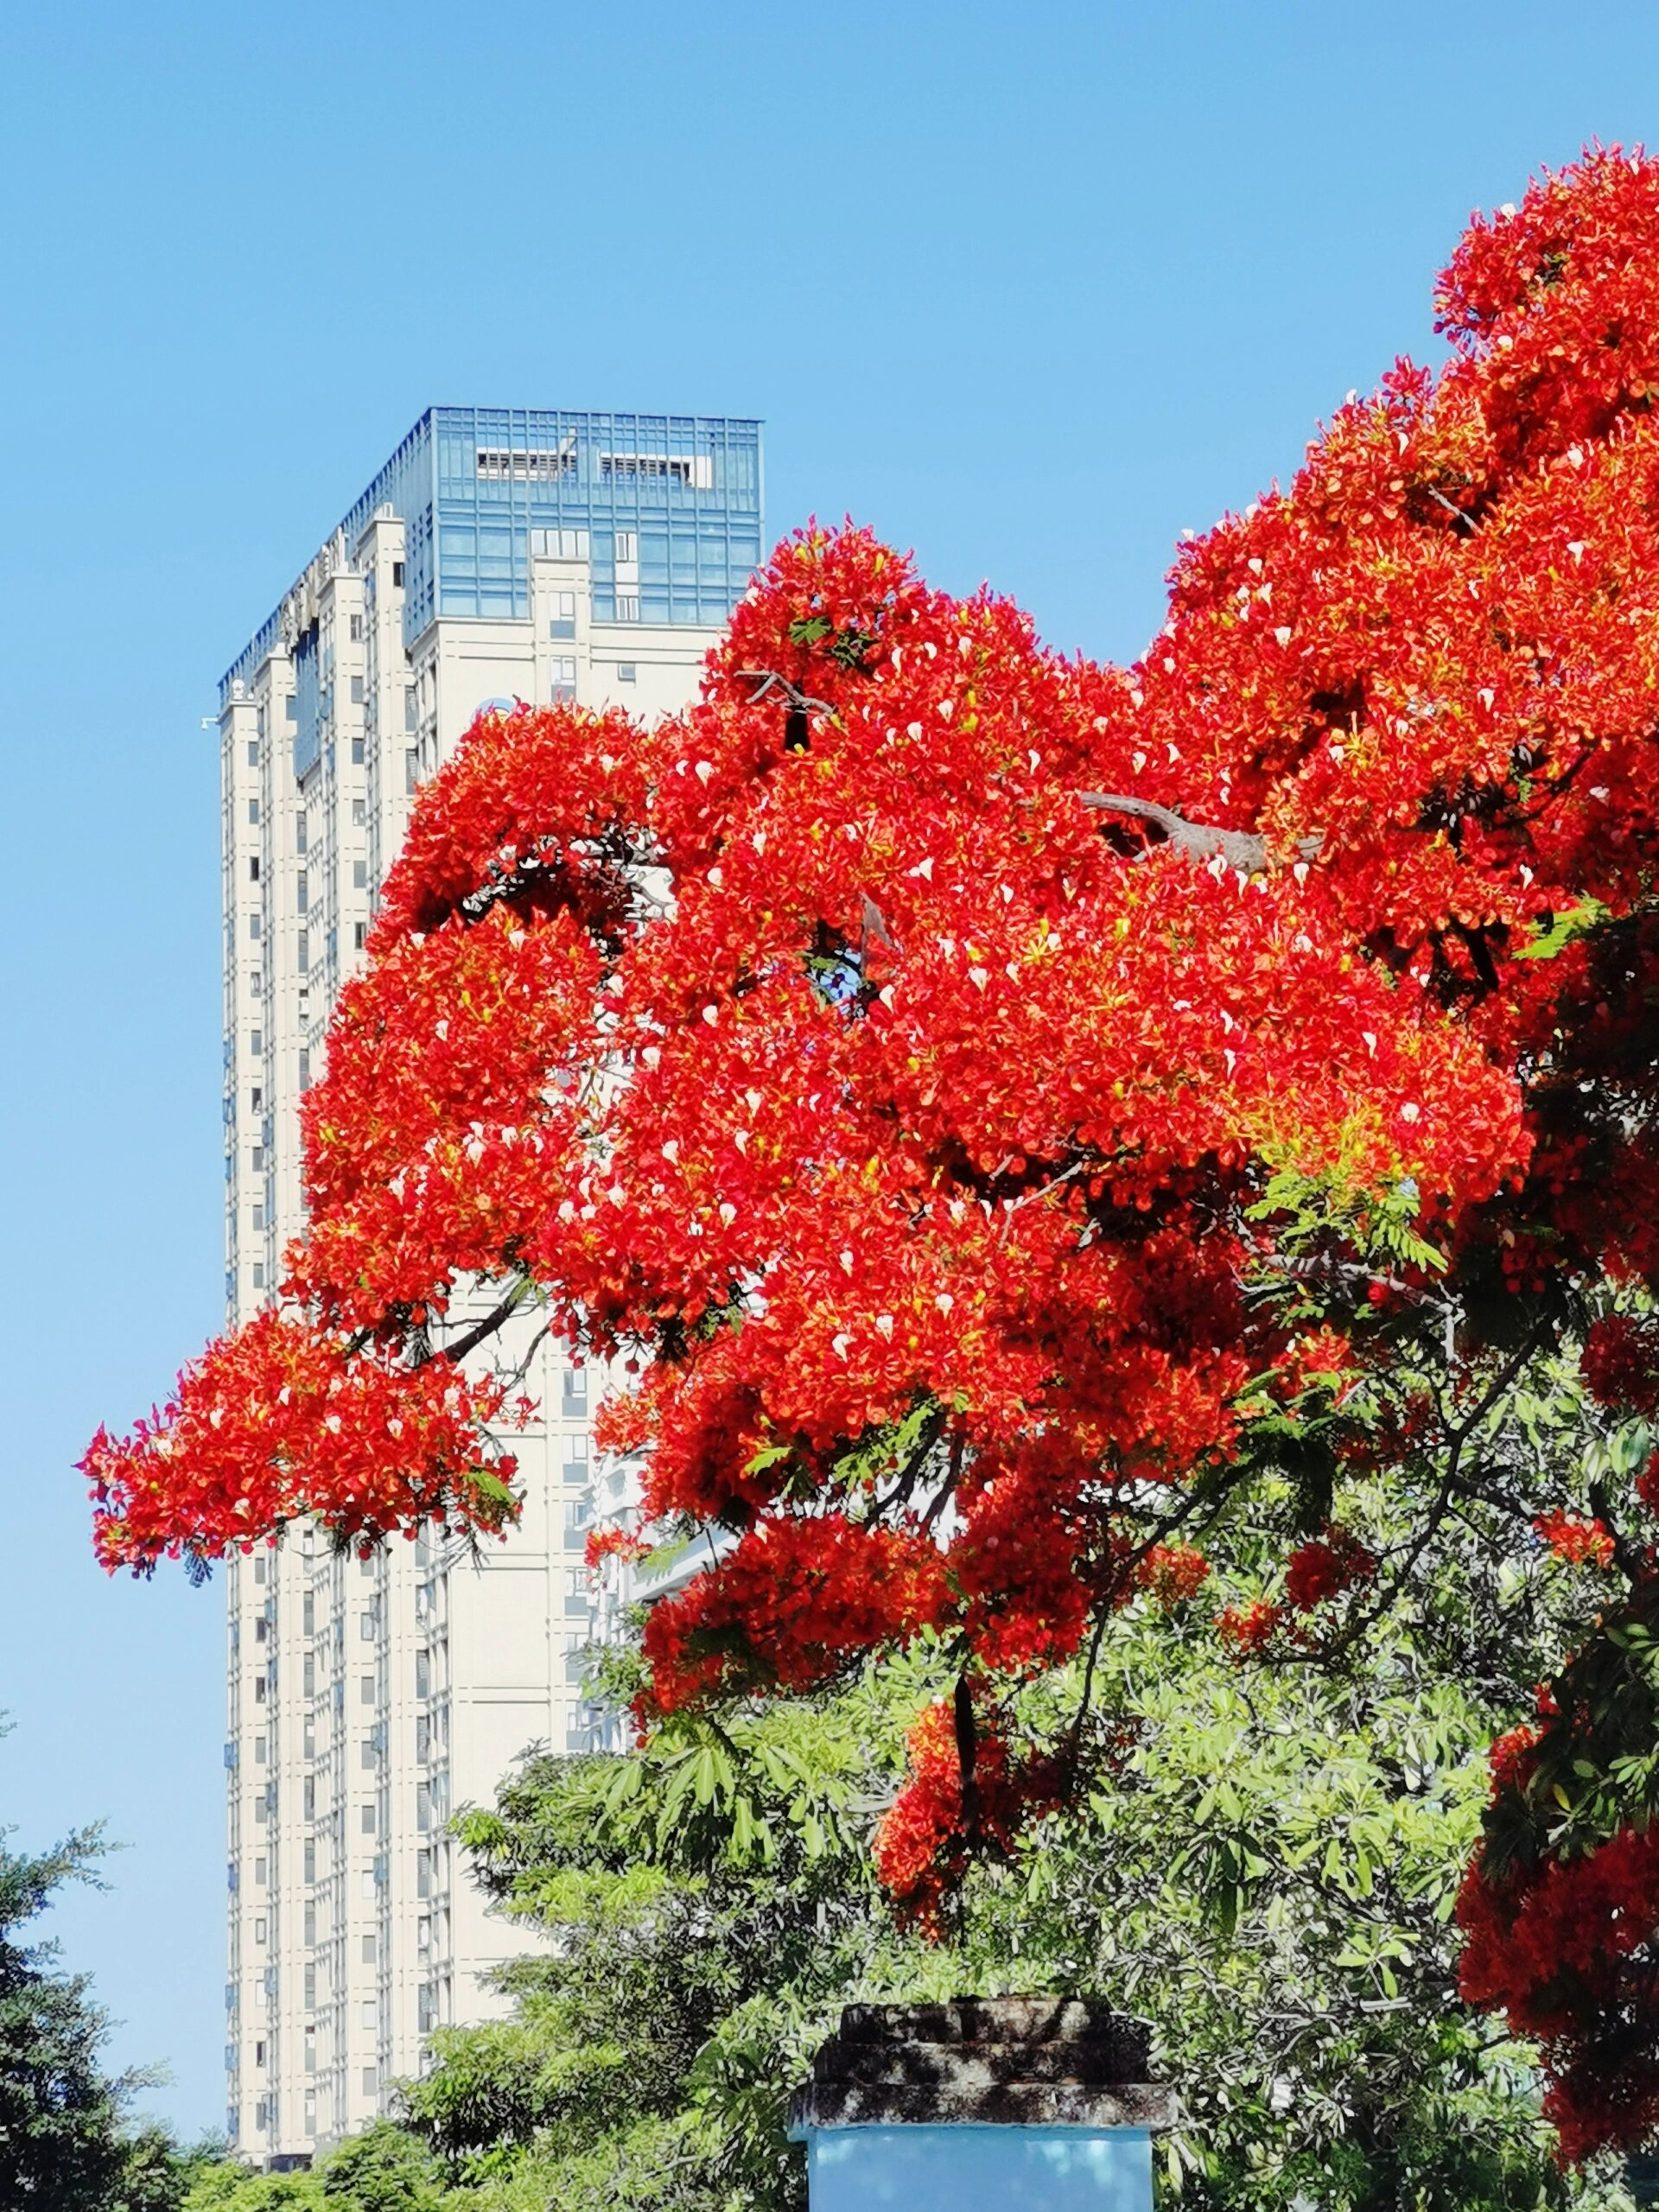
[
  {"x": 1579, "y": 1543},
  {"x": 613, "y": 1543},
  {"x": 1620, "y": 1362},
  {"x": 1246, "y": 1631},
  {"x": 922, "y": 1844},
  {"x": 1566, "y": 1951},
  {"x": 1326, "y": 1568},
  {"x": 1171, "y": 1573}
]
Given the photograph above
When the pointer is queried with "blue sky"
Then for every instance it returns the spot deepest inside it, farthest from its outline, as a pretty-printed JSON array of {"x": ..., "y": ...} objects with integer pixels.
[{"x": 1029, "y": 287}]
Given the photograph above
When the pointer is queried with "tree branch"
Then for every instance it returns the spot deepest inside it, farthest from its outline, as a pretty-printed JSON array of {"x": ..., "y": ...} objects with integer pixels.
[
  {"x": 1241, "y": 849},
  {"x": 497, "y": 1318}
]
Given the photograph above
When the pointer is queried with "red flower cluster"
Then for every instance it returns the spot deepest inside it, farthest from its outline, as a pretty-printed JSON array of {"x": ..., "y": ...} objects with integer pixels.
[
  {"x": 1248, "y": 1631},
  {"x": 793, "y": 1604},
  {"x": 922, "y": 1843},
  {"x": 1567, "y": 1953},
  {"x": 275, "y": 1425},
  {"x": 1326, "y": 1568},
  {"x": 1171, "y": 1573},
  {"x": 1579, "y": 1543},
  {"x": 613, "y": 1543},
  {"x": 1620, "y": 1362}
]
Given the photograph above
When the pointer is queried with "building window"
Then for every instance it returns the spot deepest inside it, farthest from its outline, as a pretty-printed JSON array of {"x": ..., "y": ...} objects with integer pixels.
[
  {"x": 299, "y": 833},
  {"x": 396, "y": 572},
  {"x": 357, "y": 684},
  {"x": 411, "y": 771},
  {"x": 357, "y": 629},
  {"x": 365, "y": 1628},
  {"x": 371, "y": 1949},
  {"x": 627, "y": 545},
  {"x": 259, "y": 1284},
  {"x": 626, "y": 672},
  {"x": 253, "y": 925},
  {"x": 559, "y": 544},
  {"x": 253, "y": 742},
  {"x": 365, "y": 1759},
  {"x": 359, "y": 875},
  {"x": 563, "y": 675},
  {"x": 305, "y": 1069},
  {"x": 303, "y": 890},
  {"x": 627, "y": 607},
  {"x": 310, "y": 1862},
  {"x": 259, "y": 1223},
  {"x": 260, "y": 1927},
  {"x": 528, "y": 462},
  {"x": 359, "y": 812},
  {"x": 422, "y": 1806},
  {"x": 562, "y": 621},
  {"x": 257, "y": 1044},
  {"x": 357, "y": 752},
  {"x": 260, "y": 1750},
  {"x": 304, "y": 952},
  {"x": 253, "y": 809},
  {"x": 291, "y": 708},
  {"x": 259, "y": 2059},
  {"x": 371, "y": 2081},
  {"x": 359, "y": 936},
  {"x": 365, "y": 1690},
  {"x": 253, "y": 867}
]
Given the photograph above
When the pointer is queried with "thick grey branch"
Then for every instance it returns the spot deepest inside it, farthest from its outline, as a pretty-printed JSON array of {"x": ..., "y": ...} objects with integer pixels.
[{"x": 1241, "y": 849}]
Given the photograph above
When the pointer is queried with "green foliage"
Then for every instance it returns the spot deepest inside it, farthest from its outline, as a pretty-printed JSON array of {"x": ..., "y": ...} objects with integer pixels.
[
  {"x": 384, "y": 2170},
  {"x": 1263, "y": 1866},
  {"x": 66, "y": 2144}
]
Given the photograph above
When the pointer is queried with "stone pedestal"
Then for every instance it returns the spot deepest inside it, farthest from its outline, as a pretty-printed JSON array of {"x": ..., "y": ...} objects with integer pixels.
[{"x": 1006, "y": 2104}]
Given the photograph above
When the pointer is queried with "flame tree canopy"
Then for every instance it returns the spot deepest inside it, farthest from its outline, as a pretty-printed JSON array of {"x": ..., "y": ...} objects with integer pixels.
[{"x": 1007, "y": 1114}]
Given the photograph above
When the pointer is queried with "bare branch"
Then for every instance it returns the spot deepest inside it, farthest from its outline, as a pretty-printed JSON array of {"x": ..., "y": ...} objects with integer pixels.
[
  {"x": 497, "y": 1318},
  {"x": 1241, "y": 849}
]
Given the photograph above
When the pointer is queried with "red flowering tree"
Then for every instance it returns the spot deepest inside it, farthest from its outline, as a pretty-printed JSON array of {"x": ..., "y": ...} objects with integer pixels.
[{"x": 1004, "y": 1111}]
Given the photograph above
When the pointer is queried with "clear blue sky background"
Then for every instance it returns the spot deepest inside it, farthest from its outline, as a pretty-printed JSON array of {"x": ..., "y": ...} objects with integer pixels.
[{"x": 1028, "y": 287}]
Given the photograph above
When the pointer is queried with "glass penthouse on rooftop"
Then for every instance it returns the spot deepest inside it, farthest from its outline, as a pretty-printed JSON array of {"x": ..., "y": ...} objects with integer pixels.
[{"x": 675, "y": 500}]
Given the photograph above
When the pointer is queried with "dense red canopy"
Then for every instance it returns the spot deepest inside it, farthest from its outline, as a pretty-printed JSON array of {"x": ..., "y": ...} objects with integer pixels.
[{"x": 934, "y": 1061}]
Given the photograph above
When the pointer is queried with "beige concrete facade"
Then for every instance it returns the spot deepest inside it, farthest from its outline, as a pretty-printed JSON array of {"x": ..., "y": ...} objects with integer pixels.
[{"x": 368, "y": 1699}]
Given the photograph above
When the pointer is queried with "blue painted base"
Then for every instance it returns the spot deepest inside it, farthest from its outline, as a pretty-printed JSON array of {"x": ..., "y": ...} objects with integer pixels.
[{"x": 968, "y": 2169}]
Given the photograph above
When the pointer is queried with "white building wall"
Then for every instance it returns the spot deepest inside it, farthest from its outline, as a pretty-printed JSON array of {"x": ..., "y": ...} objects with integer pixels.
[{"x": 369, "y": 1699}]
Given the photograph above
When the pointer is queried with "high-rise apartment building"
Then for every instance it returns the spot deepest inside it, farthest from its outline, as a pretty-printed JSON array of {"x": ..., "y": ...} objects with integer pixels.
[{"x": 499, "y": 555}]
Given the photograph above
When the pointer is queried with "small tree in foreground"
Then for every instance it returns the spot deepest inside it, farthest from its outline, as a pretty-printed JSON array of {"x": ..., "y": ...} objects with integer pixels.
[
  {"x": 66, "y": 2141},
  {"x": 1010, "y": 1113}
]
